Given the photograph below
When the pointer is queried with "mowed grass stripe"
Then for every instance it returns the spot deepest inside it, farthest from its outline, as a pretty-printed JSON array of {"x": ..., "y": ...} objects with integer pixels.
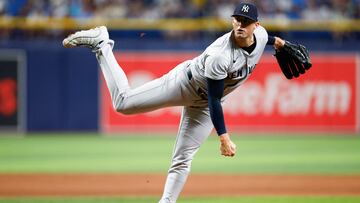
[{"x": 71, "y": 153}]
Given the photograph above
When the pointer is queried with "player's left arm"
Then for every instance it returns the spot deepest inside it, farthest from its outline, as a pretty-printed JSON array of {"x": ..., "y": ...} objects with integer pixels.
[{"x": 277, "y": 42}]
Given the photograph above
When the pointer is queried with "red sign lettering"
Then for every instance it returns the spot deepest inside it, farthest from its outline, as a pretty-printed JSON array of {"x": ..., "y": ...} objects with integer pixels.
[{"x": 325, "y": 98}]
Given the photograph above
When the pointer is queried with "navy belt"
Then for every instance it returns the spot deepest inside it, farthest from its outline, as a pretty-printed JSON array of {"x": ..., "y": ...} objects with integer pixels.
[
  {"x": 189, "y": 74},
  {"x": 199, "y": 91}
]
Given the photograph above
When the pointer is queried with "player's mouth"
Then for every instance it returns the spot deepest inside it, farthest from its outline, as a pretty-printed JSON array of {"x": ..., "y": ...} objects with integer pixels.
[{"x": 240, "y": 32}]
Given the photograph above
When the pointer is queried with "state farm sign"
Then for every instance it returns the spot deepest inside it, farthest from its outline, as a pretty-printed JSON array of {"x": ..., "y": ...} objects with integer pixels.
[
  {"x": 286, "y": 98},
  {"x": 325, "y": 98}
]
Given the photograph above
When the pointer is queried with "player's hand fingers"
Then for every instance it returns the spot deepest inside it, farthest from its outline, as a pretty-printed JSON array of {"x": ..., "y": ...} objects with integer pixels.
[
  {"x": 233, "y": 149},
  {"x": 224, "y": 151},
  {"x": 232, "y": 152},
  {"x": 229, "y": 150},
  {"x": 227, "y": 147}
]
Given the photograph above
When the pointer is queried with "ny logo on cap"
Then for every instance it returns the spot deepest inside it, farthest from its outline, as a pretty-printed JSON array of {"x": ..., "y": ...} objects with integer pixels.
[{"x": 245, "y": 9}]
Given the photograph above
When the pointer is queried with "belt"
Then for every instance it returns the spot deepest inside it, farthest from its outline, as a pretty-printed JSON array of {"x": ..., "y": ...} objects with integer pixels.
[
  {"x": 189, "y": 74},
  {"x": 199, "y": 91}
]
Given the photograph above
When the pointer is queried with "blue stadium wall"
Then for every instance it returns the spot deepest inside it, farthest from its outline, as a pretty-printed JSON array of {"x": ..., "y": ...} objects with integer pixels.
[
  {"x": 61, "y": 87},
  {"x": 62, "y": 90}
]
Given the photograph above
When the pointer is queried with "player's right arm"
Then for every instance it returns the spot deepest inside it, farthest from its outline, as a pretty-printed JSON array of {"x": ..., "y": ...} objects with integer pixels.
[
  {"x": 215, "y": 72},
  {"x": 215, "y": 93}
]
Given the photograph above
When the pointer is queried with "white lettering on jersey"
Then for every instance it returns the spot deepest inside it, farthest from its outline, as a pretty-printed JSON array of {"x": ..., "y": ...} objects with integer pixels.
[{"x": 241, "y": 73}]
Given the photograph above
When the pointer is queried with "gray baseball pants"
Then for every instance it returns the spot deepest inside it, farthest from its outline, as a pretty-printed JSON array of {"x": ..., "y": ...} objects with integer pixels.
[{"x": 173, "y": 89}]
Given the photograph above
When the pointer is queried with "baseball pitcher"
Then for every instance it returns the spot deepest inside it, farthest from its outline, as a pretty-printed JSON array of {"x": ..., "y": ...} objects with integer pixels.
[{"x": 199, "y": 85}]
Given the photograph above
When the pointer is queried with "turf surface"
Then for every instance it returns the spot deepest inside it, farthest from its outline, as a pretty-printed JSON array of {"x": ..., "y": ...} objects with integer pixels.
[
  {"x": 75, "y": 153},
  {"x": 151, "y": 154}
]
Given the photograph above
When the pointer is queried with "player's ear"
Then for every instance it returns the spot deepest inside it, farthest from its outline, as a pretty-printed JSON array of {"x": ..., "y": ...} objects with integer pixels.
[{"x": 257, "y": 23}]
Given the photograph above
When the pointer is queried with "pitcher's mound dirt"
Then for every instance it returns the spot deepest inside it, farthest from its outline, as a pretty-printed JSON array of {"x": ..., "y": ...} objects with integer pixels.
[{"x": 152, "y": 185}]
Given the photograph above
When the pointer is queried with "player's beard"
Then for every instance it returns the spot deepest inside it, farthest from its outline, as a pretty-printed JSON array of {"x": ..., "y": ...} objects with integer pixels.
[{"x": 241, "y": 34}]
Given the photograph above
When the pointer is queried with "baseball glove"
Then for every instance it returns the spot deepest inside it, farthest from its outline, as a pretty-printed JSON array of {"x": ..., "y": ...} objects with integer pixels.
[{"x": 293, "y": 59}]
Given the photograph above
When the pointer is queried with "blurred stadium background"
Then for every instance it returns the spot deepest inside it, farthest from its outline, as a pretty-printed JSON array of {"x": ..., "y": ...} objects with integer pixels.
[{"x": 55, "y": 110}]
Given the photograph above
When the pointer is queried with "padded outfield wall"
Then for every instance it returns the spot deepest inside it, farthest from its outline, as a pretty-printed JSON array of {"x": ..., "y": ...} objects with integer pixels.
[
  {"x": 62, "y": 90},
  {"x": 326, "y": 99},
  {"x": 44, "y": 87},
  {"x": 47, "y": 88},
  {"x": 58, "y": 90}
]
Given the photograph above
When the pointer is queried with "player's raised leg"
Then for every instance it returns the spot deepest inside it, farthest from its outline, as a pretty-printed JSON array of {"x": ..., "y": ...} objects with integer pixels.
[
  {"x": 172, "y": 89},
  {"x": 93, "y": 38},
  {"x": 98, "y": 41},
  {"x": 165, "y": 91},
  {"x": 115, "y": 77},
  {"x": 195, "y": 127}
]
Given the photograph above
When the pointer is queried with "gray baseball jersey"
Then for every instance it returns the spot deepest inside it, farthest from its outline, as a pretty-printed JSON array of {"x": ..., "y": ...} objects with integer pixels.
[
  {"x": 222, "y": 60},
  {"x": 185, "y": 85}
]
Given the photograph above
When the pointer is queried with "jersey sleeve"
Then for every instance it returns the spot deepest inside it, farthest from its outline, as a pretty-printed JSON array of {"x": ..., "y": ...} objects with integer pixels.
[
  {"x": 262, "y": 35},
  {"x": 271, "y": 40},
  {"x": 216, "y": 67},
  {"x": 215, "y": 92}
]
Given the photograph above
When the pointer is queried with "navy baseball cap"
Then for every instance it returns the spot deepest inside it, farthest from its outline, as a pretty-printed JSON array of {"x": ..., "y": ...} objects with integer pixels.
[{"x": 246, "y": 10}]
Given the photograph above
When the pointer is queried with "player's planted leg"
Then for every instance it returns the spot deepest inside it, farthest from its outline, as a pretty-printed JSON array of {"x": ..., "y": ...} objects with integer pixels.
[{"x": 194, "y": 121}]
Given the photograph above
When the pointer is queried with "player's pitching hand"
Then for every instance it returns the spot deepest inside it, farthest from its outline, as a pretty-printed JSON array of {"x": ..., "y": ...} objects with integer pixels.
[{"x": 227, "y": 147}]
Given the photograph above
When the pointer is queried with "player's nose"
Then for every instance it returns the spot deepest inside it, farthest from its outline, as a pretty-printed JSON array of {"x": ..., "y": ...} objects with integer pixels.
[{"x": 239, "y": 25}]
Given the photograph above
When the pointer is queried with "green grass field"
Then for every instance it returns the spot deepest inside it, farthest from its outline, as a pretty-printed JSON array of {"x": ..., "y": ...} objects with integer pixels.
[
  {"x": 78, "y": 153},
  {"x": 256, "y": 154}
]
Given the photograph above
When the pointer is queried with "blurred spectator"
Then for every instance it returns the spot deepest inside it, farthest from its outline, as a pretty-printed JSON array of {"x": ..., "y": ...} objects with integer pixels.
[
  {"x": 135, "y": 9},
  {"x": 298, "y": 6},
  {"x": 315, "y": 11},
  {"x": 223, "y": 8},
  {"x": 343, "y": 9},
  {"x": 357, "y": 8},
  {"x": 279, "y": 10},
  {"x": 290, "y": 9},
  {"x": 196, "y": 8},
  {"x": 59, "y": 8},
  {"x": 3, "y": 5},
  {"x": 171, "y": 9},
  {"x": 14, "y": 6},
  {"x": 111, "y": 8},
  {"x": 34, "y": 9},
  {"x": 82, "y": 8}
]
